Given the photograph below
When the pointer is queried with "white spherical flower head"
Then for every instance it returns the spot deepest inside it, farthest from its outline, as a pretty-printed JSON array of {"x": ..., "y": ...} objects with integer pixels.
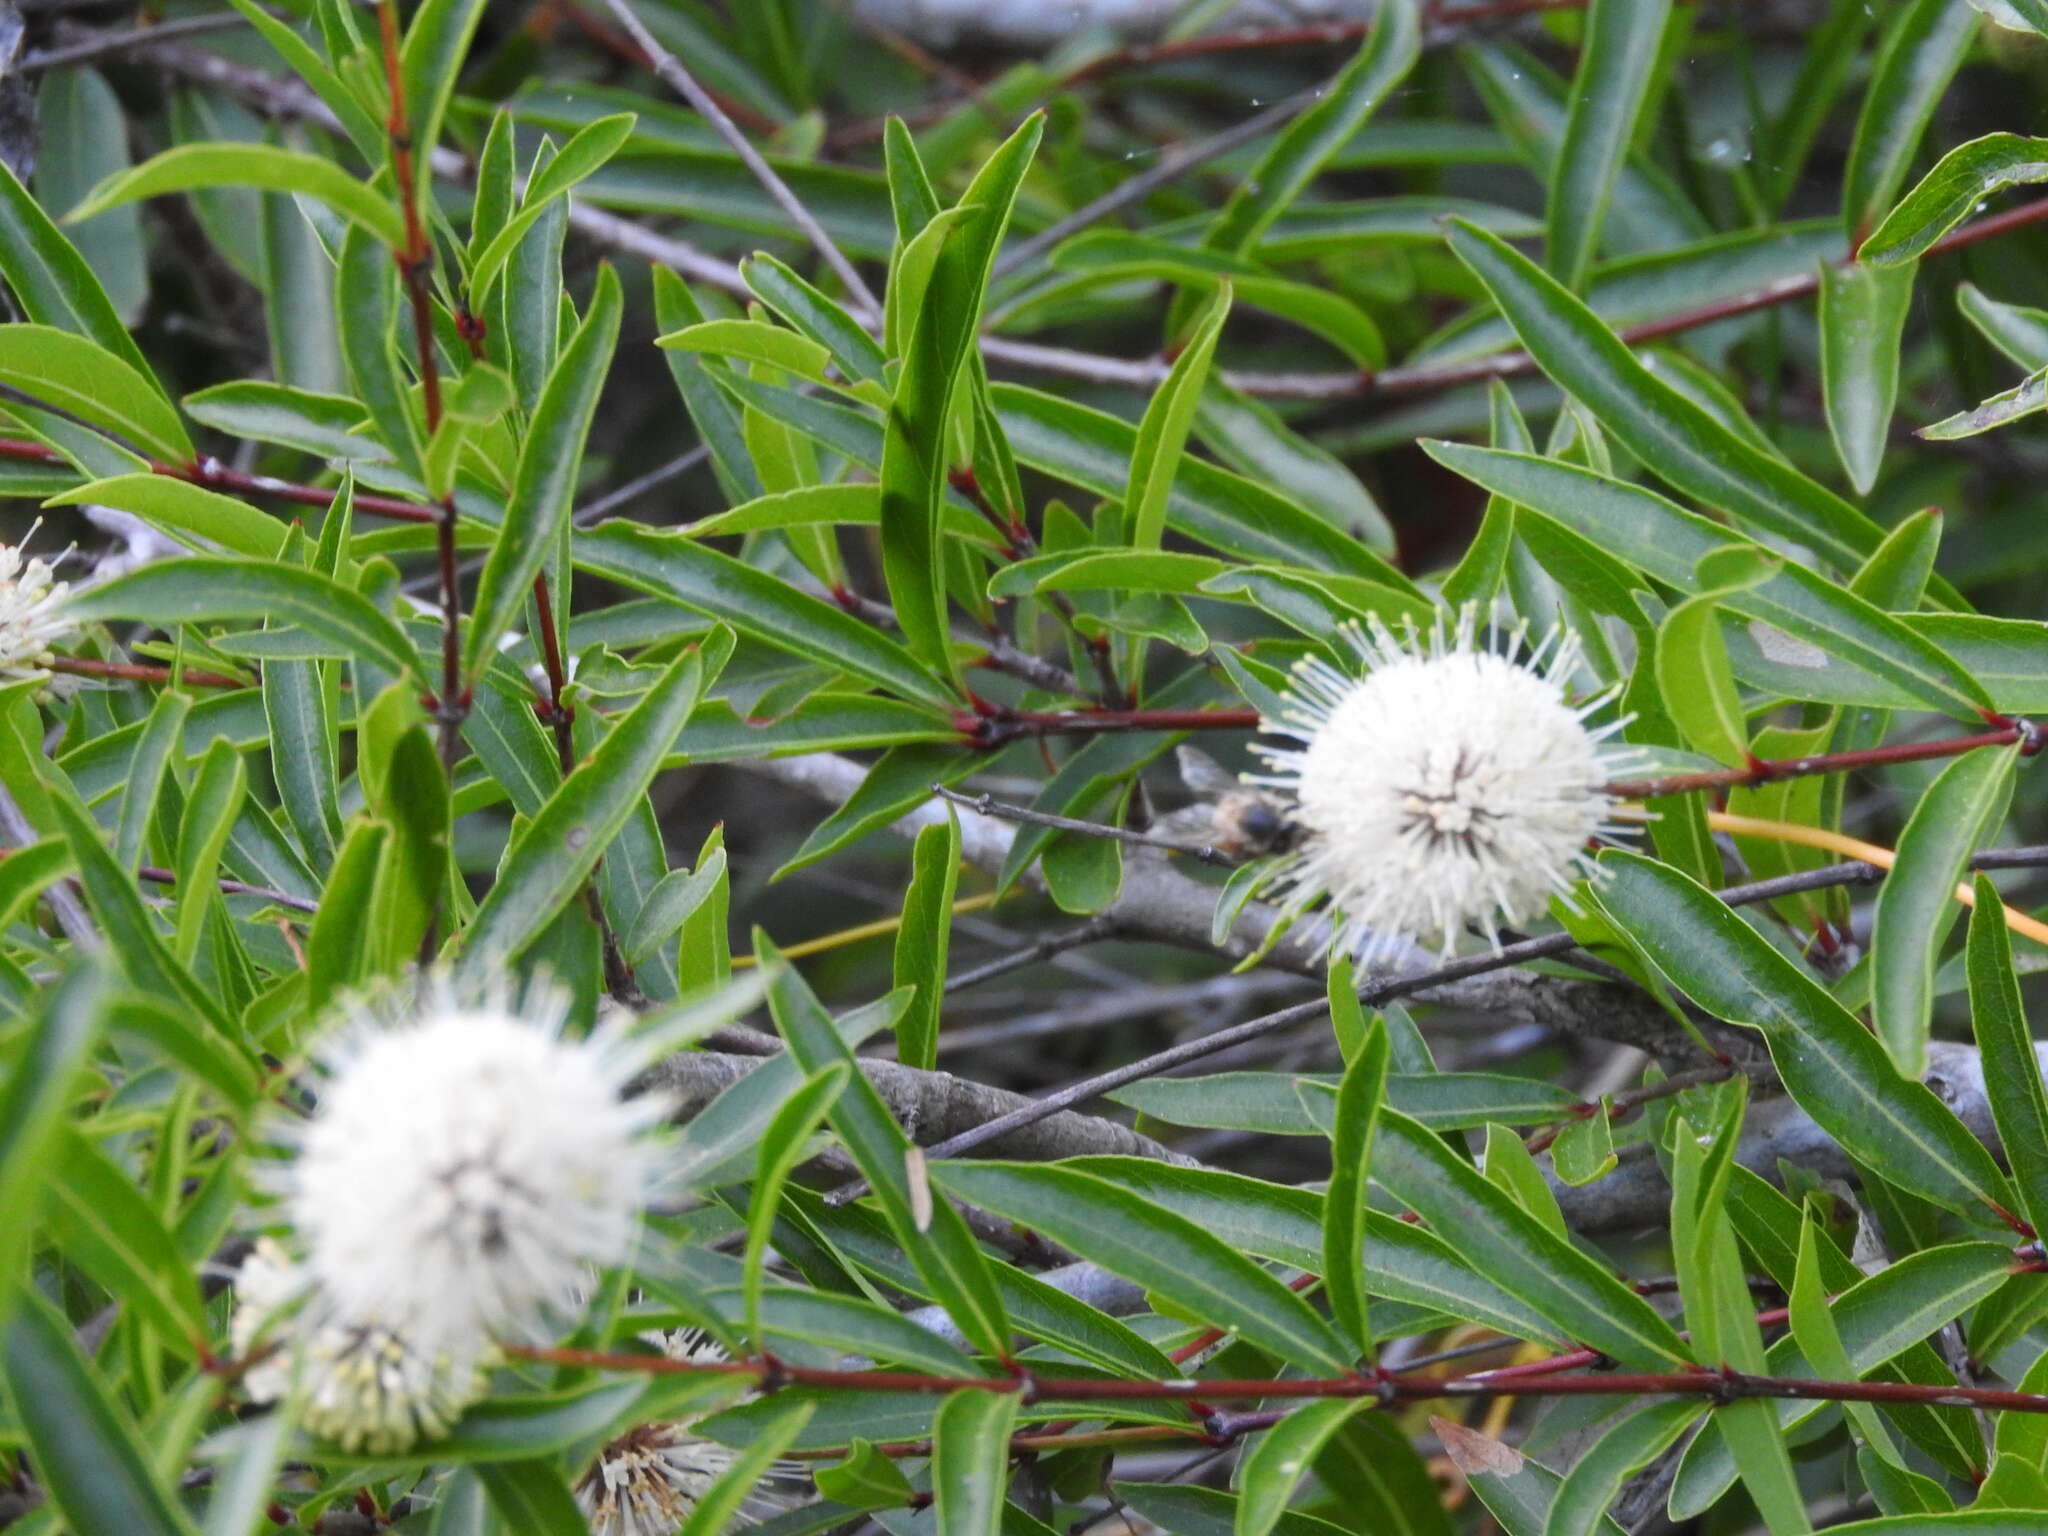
[
  {"x": 363, "y": 1384},
  {"x": 467, "y": 1169},
  {"x": 32, "y": 621},
  {"x": 1444, "y": 786}
]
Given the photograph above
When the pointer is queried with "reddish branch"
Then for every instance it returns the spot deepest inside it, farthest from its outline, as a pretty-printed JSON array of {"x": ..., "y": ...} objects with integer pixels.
[
  {"x": 138, "y": 672},
  {"x": 216, "y": 476},
  {"x": 1770, "y": 770}
]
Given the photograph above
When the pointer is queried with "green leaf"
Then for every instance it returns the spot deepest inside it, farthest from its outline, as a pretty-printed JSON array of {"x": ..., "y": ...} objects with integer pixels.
[
  {"x": 1698, "y": 684},
  {"x": 531, "y": 1497},
  {"x": 857, "y": 353},
  {"x": 752, "y": 341},
  {"x": 1186, "y": 1510},
  {"x": 1665, "y": 541},
  {"x": 1832, "y": 1065},
  {"x": 1677, "y": 438},
  {"x": 1163, "y": 432},
  {"x": 1278, "y": 1460},
  {"x": 89, "y": 1457},
  {"x": 943, "y": 1251},
  {"x": 1617, "y": 62},
  {"x": 866, "y": 1479},
  {"x": 188, "y": 513},
  {"x": 78, "y": 109},
  {"x": 204, "y": 591},
  {"x": 555, "y": 852},
  {"x": 1862, "y": 316},
  {"x": 265, "y": 166},
  {"x": 210, "y": 811},
  {"x": 327, "y": 425},
  {"x": 2011, "y": 1064},
  {"x": 2018, "y": 331},
  {"x": 915, "y": 455},
  {"x": 1916, "y": 906},
  {"x": 1165, "y": 1252},
  {"x": 719, "y": 1507},
  {"x": 102, "y": 388},
  {"x": 35, "y": 1097},
  {"x": 582, "y": 157},
  {"x": 1921, "y": 53},
  {"x": 1596, "y": 1477},
  {"x": 2002, "y": 409},
  {"x": 366, "y": 134},
  {"x": 1813, "y": 1329},
  {"x": 1501, "y": 1240},
  {"x": 1298, "y": 152},
  {"x": 922, "y": 941},
  {"x": 970, "y": 1461},
  {"x": 1359, "y": 1098},
  {"x": 544, "y": 484},
  {"x": 763, "y": 607},
  {"x": 109, "y": 1229},
  {"x": 52, "y": 281},
  {"x": 784, "y": 1144},
  {"x": 1954, "y": 189}
]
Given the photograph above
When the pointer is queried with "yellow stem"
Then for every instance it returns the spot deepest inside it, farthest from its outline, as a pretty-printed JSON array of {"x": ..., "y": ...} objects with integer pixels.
[
  {"x": 872, "y": 930},
  {"x": 1855, "y": 848}
]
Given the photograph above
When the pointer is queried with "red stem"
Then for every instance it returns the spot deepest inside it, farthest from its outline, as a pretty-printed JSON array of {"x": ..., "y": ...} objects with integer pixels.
[
  {"x": 139, "y": 672},
  {"x": 1770, "y": 770},
  {"x": 1720, "y": 1385},
  {"x": 218, "y": 477}
]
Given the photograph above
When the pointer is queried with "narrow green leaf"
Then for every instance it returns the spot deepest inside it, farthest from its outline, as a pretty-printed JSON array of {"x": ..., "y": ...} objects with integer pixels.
[
  {"x": 1813, "y": 1328},
  {"x": 1501, "y": 1240},
  {"x": 1916, "y": 906},
  {"x": 1359, "y": 1097},
  {"x": 220, "y": 163},
  {"x": 203, "y": 591},
  {"x": 544, "y": 484},
  {"x": 2002, "y": 409},
  {"x": 582, "y": 157},
  {"x": 1832, "y": 1065},
  {"x": 1677, "y": 438},
  {"x": 555, "y": 852},
  {"x": 1596, "y": 1477},
  {"x": 1617, "y": 61},
  {"x": 763, "y": 607},
  {"x": 531, "y": 1497},
  {"x": 970, "y": 1461},
  {"x": 89, "y": 1457},
  {"x": 108, "y": 1227},
  {"x": 784, "y": 1144},
  {"x": 188, "y": 513},
  {"x": 1862, "y": 316},
  {"x": 1299, "y": 151},
  {"x": 162, "y": 738},
  {"x": 52, "y": 281},
  {"x": 210, "y": 811},
  {"x": 2018, "y": 331},
  {"x": 1952, "y": 191},
  {"x": 1921, "y": 53},
  {"x": 1163, "y": 432},
  {"x": 718, "y": 1508},
  {"x": 34, "y": 1100},
  {"x": 2012, "y": 1067},
  {"x": 942, "y": 1250},
  {"x": 1278, "y": 1460},
  {"x": 77, "y": 374},
  {"x": 922, "y": 941},
  {"x": 1165, "y": 1252}
]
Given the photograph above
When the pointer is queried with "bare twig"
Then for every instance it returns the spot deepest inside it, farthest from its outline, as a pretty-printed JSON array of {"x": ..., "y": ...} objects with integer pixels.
[
  {"x": 988, "y": 805},
  {"x": 679, "y": 79},
  {"x": 107, "y": 44},
  {"x": 1093, "y": 931}
]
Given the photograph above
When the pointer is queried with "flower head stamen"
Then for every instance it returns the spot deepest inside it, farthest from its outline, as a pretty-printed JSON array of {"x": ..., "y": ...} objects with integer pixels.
[{"x": 32, "y": 621}]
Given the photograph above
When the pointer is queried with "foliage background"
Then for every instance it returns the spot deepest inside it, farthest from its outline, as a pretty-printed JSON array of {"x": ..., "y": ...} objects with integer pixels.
[{"x": 1145, "y": 499}]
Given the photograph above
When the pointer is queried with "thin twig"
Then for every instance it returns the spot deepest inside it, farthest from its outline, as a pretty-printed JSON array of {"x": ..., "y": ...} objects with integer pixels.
[
  {"x": 107, "y": 44},
  {"x": 988, "y": 805},
  {"x": 1038, "y": 952},
  {"x": 214, "y": 475},
  {"x": 1174, "y": 164},
  {"x": 138, "y": 672},
  {"x": 156, "y": 876},
  {"x": 639, "y": 486},
  {"x": 680, "y": 80}
]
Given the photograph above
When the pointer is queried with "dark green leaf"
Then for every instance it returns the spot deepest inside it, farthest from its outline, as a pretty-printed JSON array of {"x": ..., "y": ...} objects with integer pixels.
[
  {"x": 970, "y": 1461},
  {"x": 1617, "y": 62}
]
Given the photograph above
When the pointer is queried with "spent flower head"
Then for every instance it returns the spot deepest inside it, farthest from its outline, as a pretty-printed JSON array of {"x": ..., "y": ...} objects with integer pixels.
[
  {"x": 647, "y": 1481},
  {"x": 32, "y": 621},
  {"x": 468, "y": 1165},
  {"x": 1444, "y": 785}
]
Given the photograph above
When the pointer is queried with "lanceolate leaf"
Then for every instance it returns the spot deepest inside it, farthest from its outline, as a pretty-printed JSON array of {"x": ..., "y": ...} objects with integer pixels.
[
  {"x": 1952, "y": 191},
  {"x": 51, "y": 280},
  {"x": 1279, "y": 1459},
  {"x": 1831, "y": 1064},
  {"x": 546, "y": 478},
  {"x": 1163, "y": 434},
  {"x": 1916, "y": 906},
  {"x": 1862, "y": 313},
  {"x": 1596, "y": 1477},
  {"x": 1675, "y": 437},
  {"x": 1921, "y": 53},
  {"x": 77, "y": 374},
  {"x": 970, "y": 1460},
  {"x": 250, "y": 165},
  {"x": 1617, "y": 60},
  {"x": 2012, "y": 1066},
  {"x": 556, "y": 852},
  {"x": 915, "y": 454}
]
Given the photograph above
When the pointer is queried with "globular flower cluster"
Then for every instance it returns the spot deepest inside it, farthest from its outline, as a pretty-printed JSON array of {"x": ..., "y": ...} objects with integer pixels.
[
  {"x": 467, "y": 1169},
  {"x": 1444, "y": 785},
  {"x": 32, "y": 621}
]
